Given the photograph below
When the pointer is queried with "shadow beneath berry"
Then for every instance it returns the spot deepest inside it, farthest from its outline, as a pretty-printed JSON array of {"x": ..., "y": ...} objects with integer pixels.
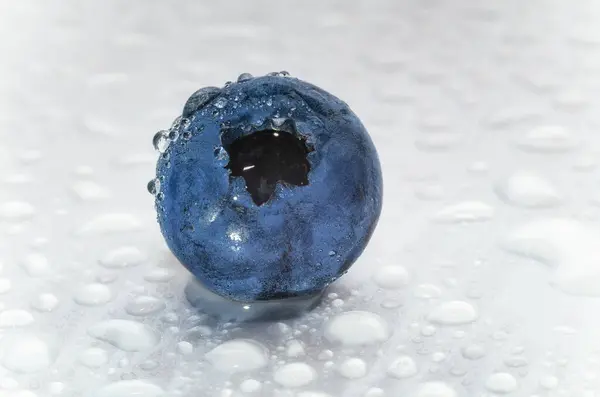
[{"x": 223, "y": 309}]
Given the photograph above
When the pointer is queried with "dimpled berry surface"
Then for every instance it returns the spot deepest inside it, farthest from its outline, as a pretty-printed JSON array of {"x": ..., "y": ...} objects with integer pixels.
[{"x": 481, "y": 278}]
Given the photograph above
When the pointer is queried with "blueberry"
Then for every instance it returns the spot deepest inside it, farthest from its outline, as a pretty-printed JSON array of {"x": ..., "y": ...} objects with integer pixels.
[{"x": 270, "y": 188}]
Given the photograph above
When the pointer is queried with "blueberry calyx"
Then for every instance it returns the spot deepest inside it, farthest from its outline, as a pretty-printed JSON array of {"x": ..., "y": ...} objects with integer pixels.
[{"x": 266, "y": 157}]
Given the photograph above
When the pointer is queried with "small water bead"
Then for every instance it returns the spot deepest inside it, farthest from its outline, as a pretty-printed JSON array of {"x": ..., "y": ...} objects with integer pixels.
[
  {"x": 126, "y": 335},
  {"x": 159, "y": 275},
  {"x": 153, "y": 186},
  {"x": 45, "y": 302},
  {"x": 110, "y": 223},
  {"x": 357, "y": 328},
  {"x": 528, "y": 189},
  {"x": 250, "y": 386},
  {"x": 244, "y": 77},
  {"x": 16, "y": 210},
  {"x": 122, "y": 257},
  {"x": 15, "y": 318},
  {"x": 25, "y": 353},
  {"x": 294, "y": 375},
  {"x": 473, "y": 352},
  {"x": 353, "y": 368},
  {"x": 547, "y": 139},
  {"x": 467, "y": 211},
  {"x": 501, "y": 383},
  {"x": 374, "y": 392},
  {"x": 516, "y": 362},
  {"x": 161, "y": 141},
  {"x": 402, "y": 367},
  {"x": 294, "y": 348},
  {"x": 144, "y": 306},
  {"x": 391, "y": 277},
  {"x": 453, "y": 313},
  {"x": 220, "y": 103},
  {"x": 185, "y": 348},
  {"x": 149, "y": 365},
  {"x": 92, "y": 295},
  {"x": 427, "y": 291},
  {"x": 549, "y": 382},
  {"x": 238, "y": 355}
]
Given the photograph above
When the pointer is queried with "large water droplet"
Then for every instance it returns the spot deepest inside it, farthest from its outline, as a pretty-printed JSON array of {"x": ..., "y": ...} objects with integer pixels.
[
  {"x": 126, "y": 335},
  {"x": 294, "y": 375},
  {"x": 453, "y": 313},
  {"x": 357, "y": 328},
  {"x": 238, "y": 355}
]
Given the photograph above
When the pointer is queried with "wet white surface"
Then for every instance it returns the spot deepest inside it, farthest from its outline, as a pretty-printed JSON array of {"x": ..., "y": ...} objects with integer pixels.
[{"x": 482, "y": 278}]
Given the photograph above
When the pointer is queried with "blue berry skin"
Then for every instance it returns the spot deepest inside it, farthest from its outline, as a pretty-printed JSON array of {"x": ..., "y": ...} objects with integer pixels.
[{"x": 303, "y": 237}]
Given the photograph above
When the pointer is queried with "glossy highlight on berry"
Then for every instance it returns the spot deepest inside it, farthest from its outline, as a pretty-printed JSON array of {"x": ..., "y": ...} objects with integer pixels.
[{"x": 260, "y": 181}]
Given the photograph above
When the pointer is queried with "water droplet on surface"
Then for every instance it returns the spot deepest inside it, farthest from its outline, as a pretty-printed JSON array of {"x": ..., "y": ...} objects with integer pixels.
[
  {"x": 36, "y": 265},
  {"x": 294, "y": 348},
  {"x": 501, "y": 383},
  {"x": 402, "y": 367},
  {"x": 438, "y": 141},
  {"x": 93, "y": 357},
  {"x": 122, "y": 257},
  {"x": 357, "y": 328},
  {"x": 453, "y": 313},
  {"x": 16, "y": 210},
  {"x": 353, "y": 368},
  {"x": 45, "y": 302},
  {"x": 467, "y": 211},
  {"x": 569, "y": 246},
  {"x": 516, "y": 362},
  {"x": 528, "y": 189},
  {"x": 149, "y": 365},
  {"x": 160, "y": 141},
  {"x": 88, "y": 190},
  {"x": 185, "y": 348},
  {"x": 391, "y": 277},
  {"x": 294, "y": 375},
  {"x": 238, "y": 355},
  {"x": 110, "y": 223},
  {"x": 153, "y": 186},
  {"x": 220, "y": 103},
  {"x": 25, "y": 353},
  {"x": 473, "y": 352},
  {"x": 159, "y": 275},
  {"x": 250, "y": 386},
  {"x": 547, "y": 139},
  {"x": 435, "y": 389},
  {"x": 92, "y": 295},
  {"x": 427, "y": 291},
  {"x": 244, "y": 77},
  {"x": 129, "y": 388},
  {"x": 429, "y": 192},
  {"x": 15, "y": 318},
  {"x": 144, "y": 306},
  {"x": 126, "y": 335}
]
